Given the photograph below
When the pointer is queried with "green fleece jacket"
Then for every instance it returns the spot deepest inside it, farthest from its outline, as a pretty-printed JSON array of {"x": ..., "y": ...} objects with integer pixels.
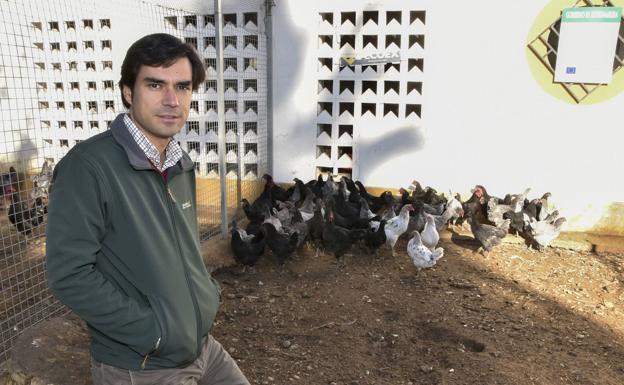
[{"x": 123, "y": 253}]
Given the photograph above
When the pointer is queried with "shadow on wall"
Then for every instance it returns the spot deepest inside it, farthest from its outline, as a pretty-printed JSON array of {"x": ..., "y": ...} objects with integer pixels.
[
  {"x": 374, "y": 153},
  {"x": 288, "y": 77},
  {"x": 371, "y": 152}
]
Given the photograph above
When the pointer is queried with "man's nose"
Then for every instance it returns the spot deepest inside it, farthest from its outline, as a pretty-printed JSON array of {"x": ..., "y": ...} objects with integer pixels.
[{"x": 170, "y": 98}]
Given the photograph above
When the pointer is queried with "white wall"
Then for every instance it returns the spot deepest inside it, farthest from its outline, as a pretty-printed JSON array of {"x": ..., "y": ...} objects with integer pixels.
[{"x": 485, "y": 119}]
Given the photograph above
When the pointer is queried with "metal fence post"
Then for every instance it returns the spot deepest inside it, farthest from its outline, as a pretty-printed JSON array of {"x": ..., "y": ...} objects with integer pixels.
[
  {"x": 269, "y": 31},
  {"x": 221, "y": 116}
]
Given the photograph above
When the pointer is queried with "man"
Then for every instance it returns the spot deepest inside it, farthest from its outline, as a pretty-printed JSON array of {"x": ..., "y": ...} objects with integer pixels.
[{"x": 122, "y": 237}]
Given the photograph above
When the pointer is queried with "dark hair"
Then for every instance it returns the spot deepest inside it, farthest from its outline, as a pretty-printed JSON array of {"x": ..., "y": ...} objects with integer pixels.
[{"x": 156, "y": 50}]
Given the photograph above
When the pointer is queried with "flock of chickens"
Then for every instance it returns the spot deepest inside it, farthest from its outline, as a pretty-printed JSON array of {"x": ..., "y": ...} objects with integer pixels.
[{"x": 334, "y": 215}]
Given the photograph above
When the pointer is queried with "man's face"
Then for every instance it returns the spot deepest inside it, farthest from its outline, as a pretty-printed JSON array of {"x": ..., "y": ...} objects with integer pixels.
[{"x": 160, "y": 100}]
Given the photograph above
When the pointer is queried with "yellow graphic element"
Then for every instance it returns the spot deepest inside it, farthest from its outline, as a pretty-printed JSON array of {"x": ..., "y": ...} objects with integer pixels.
[
  {"x": 550, "y": 14},
  {"x": 349, "y": 59}
]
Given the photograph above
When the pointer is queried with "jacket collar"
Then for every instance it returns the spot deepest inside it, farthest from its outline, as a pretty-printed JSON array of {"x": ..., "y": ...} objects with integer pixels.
[{"x": 136, "y": 156}]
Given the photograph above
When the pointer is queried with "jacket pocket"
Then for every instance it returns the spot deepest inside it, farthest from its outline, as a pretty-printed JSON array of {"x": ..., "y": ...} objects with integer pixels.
[
  {"x": 209, "y": 299},
  {"x": 157, "y": 309},
  {"x": 178, "y": 324},
  {"x": 219, "y": 289}
]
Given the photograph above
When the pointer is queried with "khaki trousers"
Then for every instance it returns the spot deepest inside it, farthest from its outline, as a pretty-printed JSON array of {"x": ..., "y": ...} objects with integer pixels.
[{"x": 214, "y": 366}]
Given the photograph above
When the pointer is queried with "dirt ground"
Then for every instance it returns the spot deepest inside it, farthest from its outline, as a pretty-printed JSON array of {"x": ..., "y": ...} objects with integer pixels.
[{"x": 515, "y": 316}]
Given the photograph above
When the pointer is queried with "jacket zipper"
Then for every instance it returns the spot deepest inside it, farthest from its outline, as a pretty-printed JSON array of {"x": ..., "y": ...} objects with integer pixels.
[
  {"x": 146, "y": 358},
  {"x": 198, "y": 319}
]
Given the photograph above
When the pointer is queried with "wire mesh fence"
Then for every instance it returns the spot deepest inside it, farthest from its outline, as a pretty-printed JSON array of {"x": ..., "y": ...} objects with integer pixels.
[{"x": 59, "y": 68}]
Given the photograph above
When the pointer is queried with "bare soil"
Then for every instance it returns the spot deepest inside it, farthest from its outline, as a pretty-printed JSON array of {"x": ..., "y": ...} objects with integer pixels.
[{"x": 514, "y": 316}]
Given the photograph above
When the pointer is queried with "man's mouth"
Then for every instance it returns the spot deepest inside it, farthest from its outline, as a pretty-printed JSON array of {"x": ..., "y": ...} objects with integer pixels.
[{"x": 168, "y": 117}]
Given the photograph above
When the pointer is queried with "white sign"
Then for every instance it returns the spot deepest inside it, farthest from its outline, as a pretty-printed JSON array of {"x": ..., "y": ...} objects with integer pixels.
[
  {"x": 373, "y": 58},
  {"x": 587, "y": 43}
]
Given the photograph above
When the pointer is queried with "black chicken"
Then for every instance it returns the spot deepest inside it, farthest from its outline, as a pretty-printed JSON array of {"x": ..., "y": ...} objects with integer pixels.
[
  {"x": 385, "y": 200},
  {"x": 247, "y": 248},
  {"x": 8, "y": 183},
  {"x": 336, "y": 239},
  {"x": 256, "y": 212},
  {"x": 273, "y": 191},
  {"x": 281, "y": 245},
  {"x": 26, "y": 218},
  {"x": 375, "y": 239}
]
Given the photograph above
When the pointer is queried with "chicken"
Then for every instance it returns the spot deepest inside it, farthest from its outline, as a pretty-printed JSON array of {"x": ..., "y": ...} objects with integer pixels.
[
  {"x": 282, "y": 246},
  {"x": 273, "y": 220},
  {"x": 342, "y": 206},
  {"x": 417, "y": 191},
  {"x": 429, "y": 235},
  {"x": 273, "y": 191},
  {"x": 8, "y": 184},
  {"x": 307, "y": 206},
  {"x": 449, "y": 212},
  {"x": 247, "y": 249},
  {"x": 316, "y": 186},
  {"x": 397, "y": 226},
  {"x": 454, "y": 204},
  {"x": 354, "y": 193},
  {"x": 297, "y": 225},
  {"x": 298, "y": 192},
  {"x": 477, "y": 203},
  {"x": 365, "y": 211},
  {"x": 26, "y": 218},
  {"x": 519, "y": 221},
  {"x": 544, "y": 232},
  {"x": 330, "y": 187},
  {"x": 417, "y": 219},
  {"x": 41, "y": 183},
  {"x": 421, "y": 256},
  {"x": 285, "y": 212},
  {"x": 433, "y": 209},
  {"x": 376, "y": 238},
  {"x": 386, "y": 199},
  {"x": 488, "y": 236},
  {"x": 517, "y": 200},
  {"x": 336, "y": 239},
  {"x": 315, "y": 228},
  {"x": 496, "y": 212},
  {"x": 255, "y": 212},
  {"x": 352, "y": 221},
  {"x": 547, "y": 207}
]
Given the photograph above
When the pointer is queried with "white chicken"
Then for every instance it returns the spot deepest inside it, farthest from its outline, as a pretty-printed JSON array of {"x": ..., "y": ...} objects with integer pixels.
[
  {"x": 429, "y": 235},
  {"x": 421, "y": 256},
  {"x": 397, "y": 226},
  {"x": 454, "y": 205},
  {"x": 548, "y": 207},
  {"x": 544, "y": 232},
  {"x": 450, "y": 212}
]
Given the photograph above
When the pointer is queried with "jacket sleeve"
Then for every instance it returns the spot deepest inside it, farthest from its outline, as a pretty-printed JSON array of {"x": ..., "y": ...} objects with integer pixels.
[{"x": 77, "y": 216}]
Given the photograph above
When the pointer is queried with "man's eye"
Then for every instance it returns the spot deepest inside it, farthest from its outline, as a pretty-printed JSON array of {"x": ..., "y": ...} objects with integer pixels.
[
  {"x": 184, "y": 87},
  {"x": 154, "y": 86}
]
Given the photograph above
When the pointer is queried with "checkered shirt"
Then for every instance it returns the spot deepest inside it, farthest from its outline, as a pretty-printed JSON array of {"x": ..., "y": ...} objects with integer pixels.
[{"x": 173, "y": 152}]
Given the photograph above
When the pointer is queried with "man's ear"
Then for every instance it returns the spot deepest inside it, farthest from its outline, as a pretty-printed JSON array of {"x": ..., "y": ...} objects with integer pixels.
[{"x": 127, "y": 94}]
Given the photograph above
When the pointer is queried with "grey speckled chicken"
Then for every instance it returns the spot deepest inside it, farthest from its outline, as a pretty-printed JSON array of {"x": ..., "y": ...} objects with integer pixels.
[{"x": 488, "y": 236}]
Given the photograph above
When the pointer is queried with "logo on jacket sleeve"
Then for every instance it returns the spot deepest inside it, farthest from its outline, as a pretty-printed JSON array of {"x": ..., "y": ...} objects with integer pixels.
[{"x": 186, "y": 205}]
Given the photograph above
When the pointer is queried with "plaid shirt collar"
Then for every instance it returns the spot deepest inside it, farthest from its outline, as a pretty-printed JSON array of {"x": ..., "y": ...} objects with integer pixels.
[{"x": 173, "y": 152}]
